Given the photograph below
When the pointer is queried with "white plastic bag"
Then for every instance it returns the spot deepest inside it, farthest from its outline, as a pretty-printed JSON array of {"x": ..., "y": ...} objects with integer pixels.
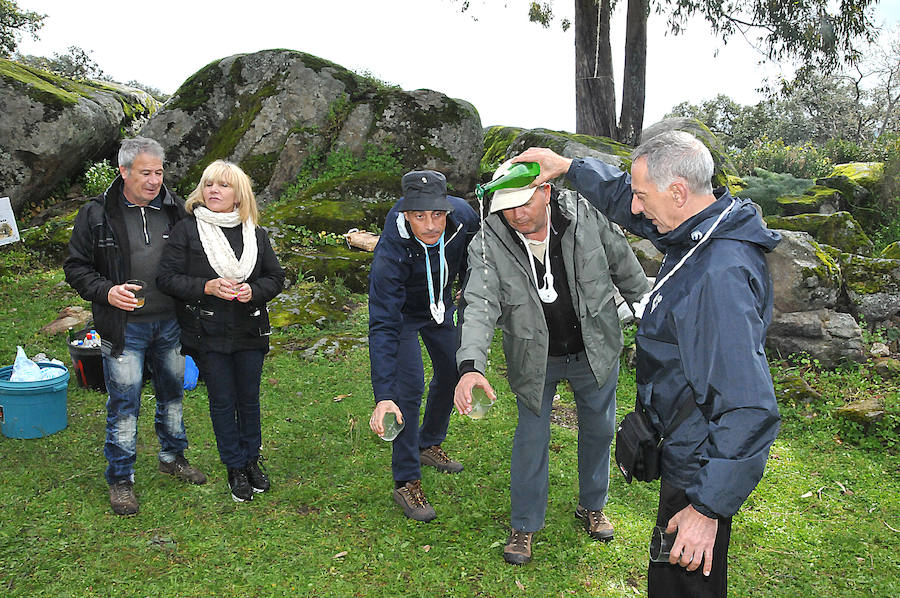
[{"x": 24, "y": 370}]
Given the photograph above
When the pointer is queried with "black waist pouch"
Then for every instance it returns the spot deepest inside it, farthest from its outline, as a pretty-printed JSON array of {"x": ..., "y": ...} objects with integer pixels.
[{"x": 638, "y": 446}]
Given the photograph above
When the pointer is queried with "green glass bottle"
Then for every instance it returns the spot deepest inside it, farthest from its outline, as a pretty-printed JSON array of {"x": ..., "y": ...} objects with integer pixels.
[{"x": 520, "y": 174}]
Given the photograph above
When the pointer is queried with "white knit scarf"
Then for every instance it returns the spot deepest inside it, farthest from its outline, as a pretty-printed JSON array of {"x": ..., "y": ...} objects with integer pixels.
[{"x": 217, "y": 248}]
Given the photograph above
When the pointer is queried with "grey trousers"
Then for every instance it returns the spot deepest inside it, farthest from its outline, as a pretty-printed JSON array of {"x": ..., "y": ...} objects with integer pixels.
[{"x": 529, "y": 467}]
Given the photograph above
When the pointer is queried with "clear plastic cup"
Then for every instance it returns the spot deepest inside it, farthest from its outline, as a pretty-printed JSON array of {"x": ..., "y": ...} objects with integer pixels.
[
  {"x": 481, "y": 404},
  {"x": 392, "y": 427},
  {"x": 661, "y": 544}
]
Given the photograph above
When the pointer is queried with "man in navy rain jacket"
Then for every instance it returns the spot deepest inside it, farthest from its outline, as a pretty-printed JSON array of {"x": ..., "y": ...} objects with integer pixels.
[
  {"x": 420, "y": 253},
  {"x": 701, "y": 339}
]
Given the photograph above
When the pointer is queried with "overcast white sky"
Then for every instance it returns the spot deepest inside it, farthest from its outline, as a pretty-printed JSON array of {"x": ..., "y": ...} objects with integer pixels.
[{"x": 513, "y": 71}]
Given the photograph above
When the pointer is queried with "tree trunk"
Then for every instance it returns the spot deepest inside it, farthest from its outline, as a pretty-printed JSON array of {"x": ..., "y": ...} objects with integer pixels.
[
  {"x": 631, "y": 121},
  {"x": 595, "y": 89}
]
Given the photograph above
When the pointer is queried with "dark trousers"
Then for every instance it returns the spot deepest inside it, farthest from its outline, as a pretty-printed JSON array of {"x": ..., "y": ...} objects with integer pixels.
[
  {"x": 232, "y": 383},
  {"x": 674, "y": 581},
  {"x": 440, "y": 342}
]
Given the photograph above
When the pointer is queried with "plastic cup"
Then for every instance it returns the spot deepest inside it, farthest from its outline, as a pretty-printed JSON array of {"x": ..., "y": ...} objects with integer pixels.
[
  {"x": 138, "y": 293},
  {"x": 661, "y": 544},
  {"x": 392, "y": 427},
  {"x": 481, "y": 404}
]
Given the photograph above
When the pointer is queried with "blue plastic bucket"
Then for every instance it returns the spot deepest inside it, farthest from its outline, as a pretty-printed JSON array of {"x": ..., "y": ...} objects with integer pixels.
[{"x": 33, "y": 409}]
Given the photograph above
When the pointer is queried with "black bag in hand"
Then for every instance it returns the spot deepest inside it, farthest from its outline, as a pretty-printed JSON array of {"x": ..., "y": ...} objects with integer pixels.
[{"x": 638, "y": 446}]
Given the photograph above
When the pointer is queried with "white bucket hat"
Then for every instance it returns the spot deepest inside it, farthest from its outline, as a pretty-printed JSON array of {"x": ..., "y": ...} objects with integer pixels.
[{"x": 503, "y": 199}]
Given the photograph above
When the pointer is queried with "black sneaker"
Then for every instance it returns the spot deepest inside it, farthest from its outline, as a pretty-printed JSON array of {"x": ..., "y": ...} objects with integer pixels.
[
  {"x": 256, "y": 475},
  {"x": 240, "y": 485}
]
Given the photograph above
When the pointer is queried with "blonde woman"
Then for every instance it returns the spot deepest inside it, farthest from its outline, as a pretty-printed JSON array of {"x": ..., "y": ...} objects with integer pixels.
[{"x": 220, "y": 268}]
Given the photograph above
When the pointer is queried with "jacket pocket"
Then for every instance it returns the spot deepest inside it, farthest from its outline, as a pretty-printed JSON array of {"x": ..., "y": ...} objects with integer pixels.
[
  {"x": 210, "y": 324},
  {"x": 258, "y": 322},
  {"x": 518, "y": 317}
]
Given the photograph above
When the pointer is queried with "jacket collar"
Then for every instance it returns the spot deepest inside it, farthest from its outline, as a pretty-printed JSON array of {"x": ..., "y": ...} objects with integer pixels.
[{"x": 454, "y": 227}]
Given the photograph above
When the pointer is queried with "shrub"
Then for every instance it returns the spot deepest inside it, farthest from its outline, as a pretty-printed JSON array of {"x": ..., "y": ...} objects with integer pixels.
[
  {"x": 98, "y": 177},
  {"x": 802, "y": 161},
  {"x": 765, "y": 187}
]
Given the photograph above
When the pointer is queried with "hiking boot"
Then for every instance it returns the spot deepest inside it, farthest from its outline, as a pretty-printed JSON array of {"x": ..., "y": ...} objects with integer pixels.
[
  {"x": 122, "y": 498},
  {"x": 437, "y": 458},
  {"x": 412, "y": 500},
  {"x": 240, "y": 485},
  {"x": 518, "y": 547},
  {"x": 257, "y": 476},
  {"x": 184, "y": 471},
  {"x": 598, "y": 526}
]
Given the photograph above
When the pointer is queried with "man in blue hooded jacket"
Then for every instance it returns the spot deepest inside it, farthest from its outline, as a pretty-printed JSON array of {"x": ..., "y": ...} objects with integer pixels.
[
  {"x": 701, "y": 339},
  {"x": 419, "y": 255}
]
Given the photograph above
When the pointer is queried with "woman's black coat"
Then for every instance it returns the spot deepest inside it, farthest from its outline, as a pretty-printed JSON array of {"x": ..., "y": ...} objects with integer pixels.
[{"x": 209, "y": 323}]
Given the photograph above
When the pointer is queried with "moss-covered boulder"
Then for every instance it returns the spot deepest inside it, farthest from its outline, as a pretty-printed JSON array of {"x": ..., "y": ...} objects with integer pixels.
[
  {"x": 863, "y": 411},
  {"x": 860, "y": 184},
  {"x": 867, "y": 175},
  {"x": 497, "y": 140},
  {"x": 358, "y": 200},
  {"x": 839, "y": 230},
  {"x": 735, "y": 184},
  {"x": 282, "y": 113},
  {"x": 724, "y": 166},
  {"x": 326, "y": 262},
  {"x": 307, "y": 304},
  {"x": 52, "y": 125},
  {"x": 891, "y": 252},
  {"x": 818, "y": 199},
  {"x": 873, "y": 286},
  {"x": 793, "y": 389}
]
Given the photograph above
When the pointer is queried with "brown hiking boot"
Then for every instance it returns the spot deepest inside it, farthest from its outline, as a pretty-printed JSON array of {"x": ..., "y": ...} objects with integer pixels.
[
  {"x": 122, "y": 498},
  {"x": 412, "y": 500},
  {"x": 598, "y": 526},
  {"x": 181, "y": 469},
  {"x": 518, "y": 547},
  {"x": 437, "y": 458}
]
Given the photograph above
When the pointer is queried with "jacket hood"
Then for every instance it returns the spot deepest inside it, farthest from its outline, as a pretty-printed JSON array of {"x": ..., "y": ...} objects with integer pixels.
[{"x": 742, "y": 223}]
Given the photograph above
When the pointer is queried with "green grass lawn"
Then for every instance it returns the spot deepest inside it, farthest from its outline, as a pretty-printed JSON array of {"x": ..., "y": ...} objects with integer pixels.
[{"x": 823, "y": 522}]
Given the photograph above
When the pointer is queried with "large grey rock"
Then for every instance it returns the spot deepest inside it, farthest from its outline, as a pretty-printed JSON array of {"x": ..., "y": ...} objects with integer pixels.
[
  {"x": 51, "y": 126},
  {"x": 873, "y": 286},
  {"x": 825, "y": 335},
  {"x": 276, "y": 112},
  {"x": 804, "y": 276}
]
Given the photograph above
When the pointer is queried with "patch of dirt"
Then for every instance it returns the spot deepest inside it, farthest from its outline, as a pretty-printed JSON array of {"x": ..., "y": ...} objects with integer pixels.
[{"x": 564, "y": 416}]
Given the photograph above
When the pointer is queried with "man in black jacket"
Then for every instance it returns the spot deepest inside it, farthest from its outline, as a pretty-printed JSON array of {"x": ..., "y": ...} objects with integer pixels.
[{"x": 118, "y": 237}]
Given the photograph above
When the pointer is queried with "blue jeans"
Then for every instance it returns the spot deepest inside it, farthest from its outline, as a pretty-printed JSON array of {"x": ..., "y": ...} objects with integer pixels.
[
  {"x": 440, "y": 342},
  {"x": 158, "y": 344},
  {"x": 232, "y": 383},
  {"x": 529, "y": 465}
]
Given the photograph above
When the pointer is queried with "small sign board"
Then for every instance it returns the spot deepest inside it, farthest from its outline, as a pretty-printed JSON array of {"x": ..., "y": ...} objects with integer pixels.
[{"x": 9, "y": 232}]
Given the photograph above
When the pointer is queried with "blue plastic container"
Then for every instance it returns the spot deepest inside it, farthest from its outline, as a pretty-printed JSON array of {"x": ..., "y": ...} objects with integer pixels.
[{"x": 33, "y": 409}]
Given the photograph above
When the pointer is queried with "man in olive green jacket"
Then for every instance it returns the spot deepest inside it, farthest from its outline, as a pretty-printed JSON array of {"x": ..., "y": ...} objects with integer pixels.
[{"x": 544, "y": 271}]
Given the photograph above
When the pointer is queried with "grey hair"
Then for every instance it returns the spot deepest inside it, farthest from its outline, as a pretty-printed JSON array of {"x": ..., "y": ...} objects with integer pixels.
[
  {"x": 139, "y": 145},
  {"x": 675, "y": 154}
]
